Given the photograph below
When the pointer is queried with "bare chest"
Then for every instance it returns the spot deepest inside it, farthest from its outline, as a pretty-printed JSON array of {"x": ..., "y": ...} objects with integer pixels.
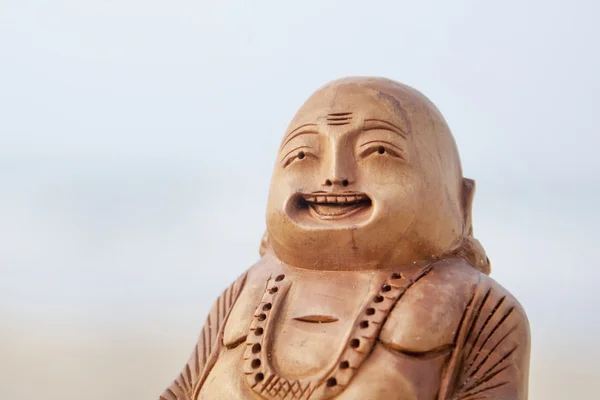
[{"x": 312, "y": 331}]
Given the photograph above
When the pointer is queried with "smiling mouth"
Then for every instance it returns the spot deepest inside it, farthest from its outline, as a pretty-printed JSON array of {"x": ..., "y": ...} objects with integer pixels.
[{"x": 334, "y": 205}]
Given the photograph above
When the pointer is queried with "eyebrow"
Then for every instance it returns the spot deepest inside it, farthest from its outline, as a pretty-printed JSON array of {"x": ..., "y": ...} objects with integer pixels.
[
  {"x": 372, "y": 124},
  {"x": 306, "y": 129}
]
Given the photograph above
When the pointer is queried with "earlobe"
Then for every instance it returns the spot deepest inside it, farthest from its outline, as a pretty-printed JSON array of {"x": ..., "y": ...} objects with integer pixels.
[{"x": 468, "y": 193}]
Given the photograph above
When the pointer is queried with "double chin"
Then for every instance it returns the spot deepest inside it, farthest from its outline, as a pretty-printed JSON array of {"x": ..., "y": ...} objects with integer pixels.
[
  {"x": 322, "y": 251},
  {"x": 309, "y": 237},
  {"x": 327, "y": 243}
]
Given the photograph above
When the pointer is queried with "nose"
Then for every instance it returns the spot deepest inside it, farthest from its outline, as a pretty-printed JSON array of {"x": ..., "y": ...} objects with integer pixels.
[
  {"x": 340, "y": 171},
  {"x": 338, "y": 182}
]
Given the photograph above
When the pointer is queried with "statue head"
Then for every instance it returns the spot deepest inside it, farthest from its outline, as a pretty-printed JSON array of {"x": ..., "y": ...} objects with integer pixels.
[{"x": 368, "y": 176}]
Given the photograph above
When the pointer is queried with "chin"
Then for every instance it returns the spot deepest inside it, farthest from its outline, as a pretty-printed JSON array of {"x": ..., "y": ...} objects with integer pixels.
[
  {"x": 329, "y": 244},
  {"x": 340, "y": 230}
]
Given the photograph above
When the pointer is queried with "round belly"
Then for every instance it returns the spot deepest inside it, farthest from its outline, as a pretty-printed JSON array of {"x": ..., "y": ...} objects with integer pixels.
[
  {"x": 391, "y": 376},
  {"x": 306, "y": 349}
]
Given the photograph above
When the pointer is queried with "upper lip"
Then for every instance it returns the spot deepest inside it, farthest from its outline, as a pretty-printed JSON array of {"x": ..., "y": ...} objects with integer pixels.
[{"x": 335, "y": 198}]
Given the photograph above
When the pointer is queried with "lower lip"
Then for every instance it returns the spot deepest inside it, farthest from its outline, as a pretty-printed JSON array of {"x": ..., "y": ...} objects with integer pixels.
[{"x": 351, "y": 211}]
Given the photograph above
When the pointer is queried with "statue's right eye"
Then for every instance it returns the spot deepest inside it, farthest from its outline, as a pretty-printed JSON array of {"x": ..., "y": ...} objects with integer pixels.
[{"x": 296, "y": 155}]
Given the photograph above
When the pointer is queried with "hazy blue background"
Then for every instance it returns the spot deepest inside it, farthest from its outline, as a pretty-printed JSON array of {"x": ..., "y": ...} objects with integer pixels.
[{"x": 137, "y": 140}]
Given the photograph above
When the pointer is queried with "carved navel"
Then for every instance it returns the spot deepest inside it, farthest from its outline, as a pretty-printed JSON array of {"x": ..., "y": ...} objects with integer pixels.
[{"x": 317, "y": 319}]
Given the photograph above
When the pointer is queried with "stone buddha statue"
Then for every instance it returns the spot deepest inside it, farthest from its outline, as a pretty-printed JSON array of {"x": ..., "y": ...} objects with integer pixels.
[{"x": 370, "y": 283}]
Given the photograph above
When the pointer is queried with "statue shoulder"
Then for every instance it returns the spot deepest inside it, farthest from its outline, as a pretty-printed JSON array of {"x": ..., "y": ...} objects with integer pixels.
[
  {"x": 224, "y": 325},
  {"x": 491, "y": 349},
  {"x": 428, "y": 316}
]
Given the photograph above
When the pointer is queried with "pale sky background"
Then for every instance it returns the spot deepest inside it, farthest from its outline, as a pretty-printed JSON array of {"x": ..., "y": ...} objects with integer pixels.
[{"x": 137, "y": 140}]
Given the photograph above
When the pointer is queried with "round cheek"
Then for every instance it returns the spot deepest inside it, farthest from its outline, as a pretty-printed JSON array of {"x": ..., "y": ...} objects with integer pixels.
[
  {"x": 383, "y": 171},
  {"x": 285, "y": 182},
  {"x": 302, "y": 175},
  {"x": 399, "y": 195},
  {"x": 280, "y": 189},
  {"x": 395, "y": 188}
]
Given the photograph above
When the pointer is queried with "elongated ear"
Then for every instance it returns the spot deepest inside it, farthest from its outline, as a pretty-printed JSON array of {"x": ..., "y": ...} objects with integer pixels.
[
  {"x": 264, "y": 244},
  {"x": 468, "y": 193},
  {"x": 471, "y": 249}
]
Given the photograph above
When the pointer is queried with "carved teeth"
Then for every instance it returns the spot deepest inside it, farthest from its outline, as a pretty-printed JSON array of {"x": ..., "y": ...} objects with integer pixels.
[{"x": 336, "y": 199}]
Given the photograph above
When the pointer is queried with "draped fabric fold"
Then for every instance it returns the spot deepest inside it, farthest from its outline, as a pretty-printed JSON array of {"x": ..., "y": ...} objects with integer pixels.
[{"x": 189, "y": 381}]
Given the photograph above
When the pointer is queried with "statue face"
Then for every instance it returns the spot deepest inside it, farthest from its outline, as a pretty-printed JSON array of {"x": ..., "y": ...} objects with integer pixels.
[{"x": 367, "y": 176}]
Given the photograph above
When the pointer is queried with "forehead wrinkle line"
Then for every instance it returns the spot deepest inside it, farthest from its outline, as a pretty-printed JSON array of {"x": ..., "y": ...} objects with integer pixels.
[
  {"x": 391, "y": 127},
  {"x": 299, "y": 127},
  {"x": 287, "y": 137}
]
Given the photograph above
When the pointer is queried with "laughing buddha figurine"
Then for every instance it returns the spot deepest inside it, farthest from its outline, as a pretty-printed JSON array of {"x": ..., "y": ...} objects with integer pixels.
[{"x": 370, "y": 283}]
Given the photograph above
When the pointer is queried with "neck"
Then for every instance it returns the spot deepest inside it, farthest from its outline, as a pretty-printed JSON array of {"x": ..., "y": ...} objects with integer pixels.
[
  {"x": 469, "y": 249},
  {"x": 321, "y": 265}
]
